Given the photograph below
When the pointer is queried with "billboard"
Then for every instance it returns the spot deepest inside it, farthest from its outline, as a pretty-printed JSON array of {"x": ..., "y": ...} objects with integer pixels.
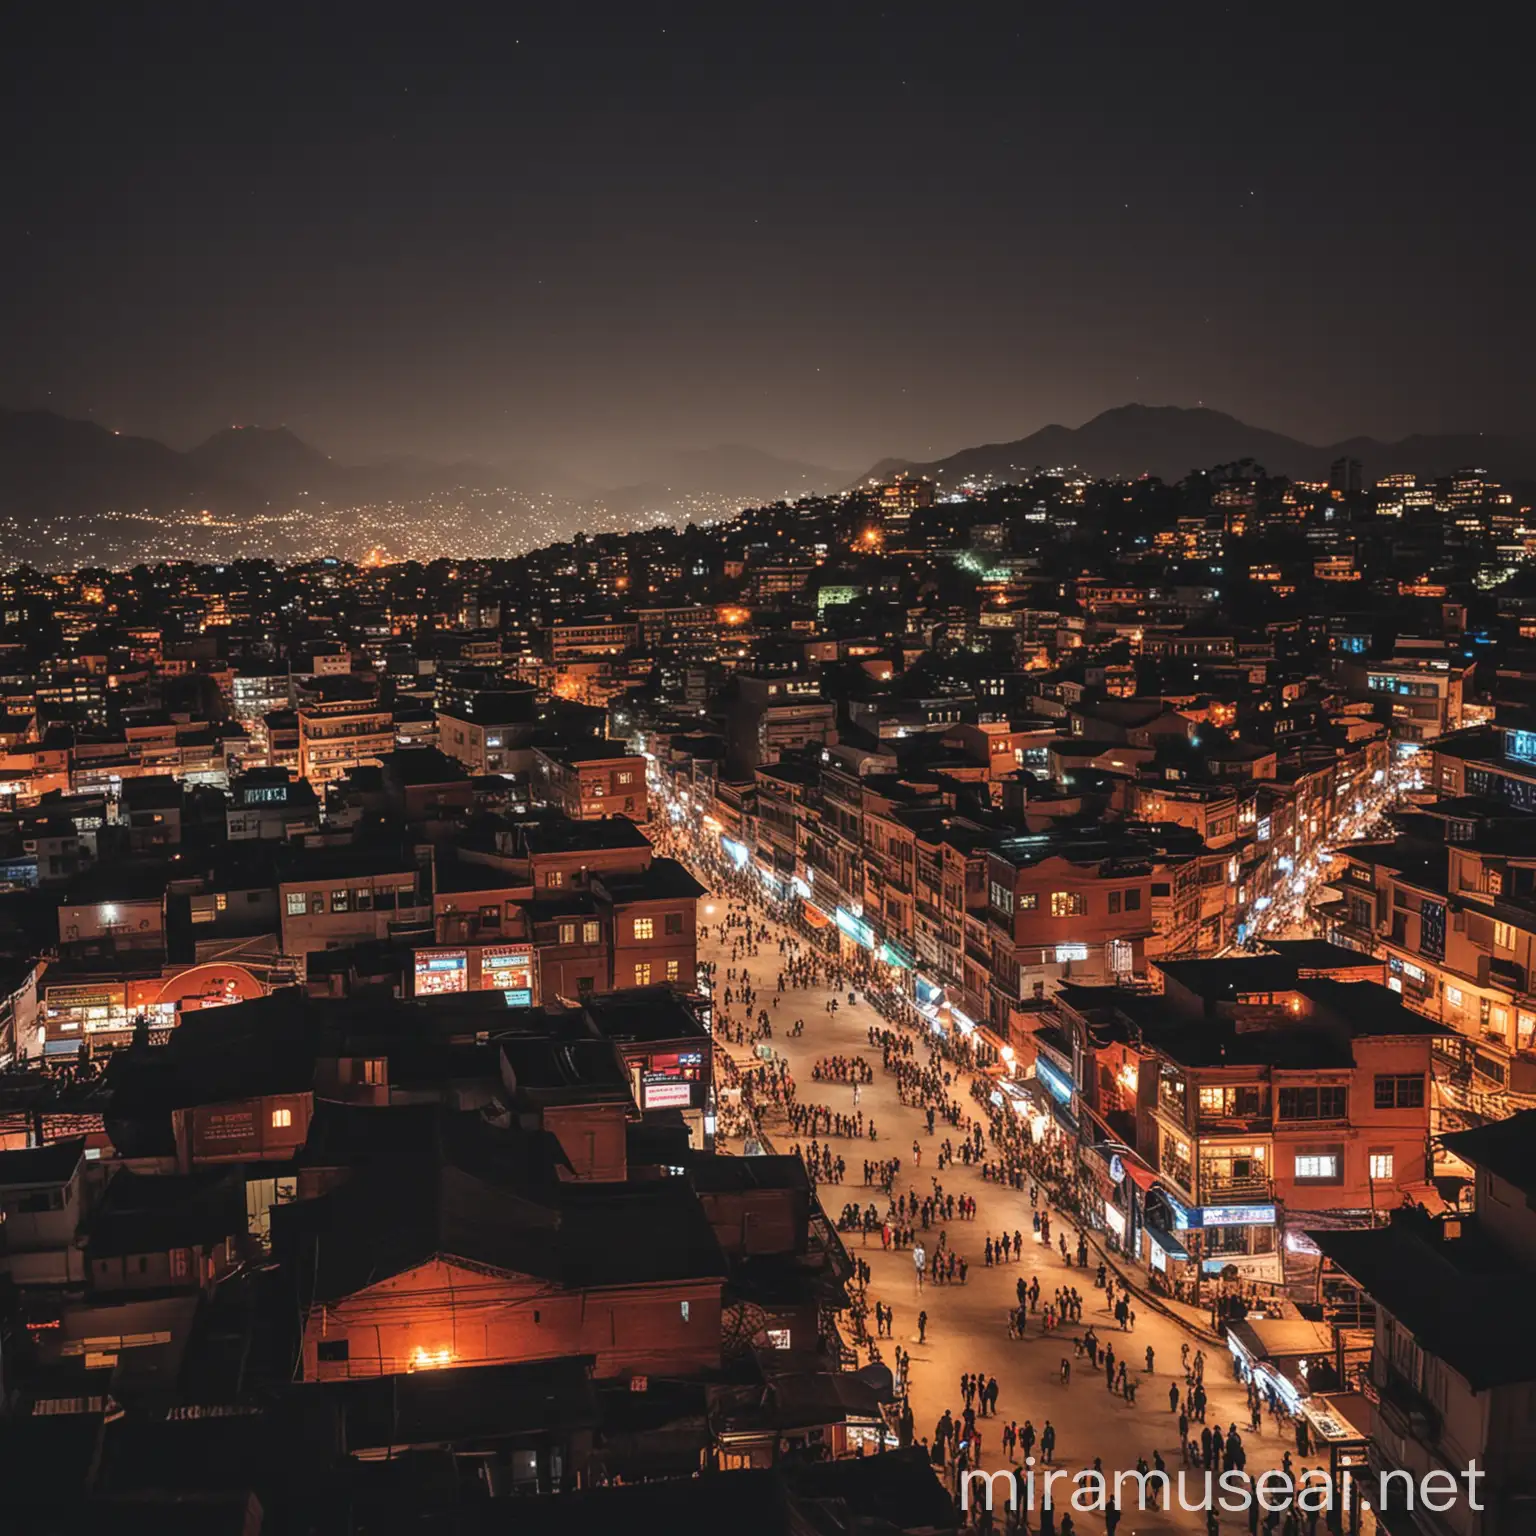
[{"x": 438, "y": 973}]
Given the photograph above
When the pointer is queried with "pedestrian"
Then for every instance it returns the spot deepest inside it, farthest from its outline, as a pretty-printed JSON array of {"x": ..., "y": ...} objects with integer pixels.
[
  {"x": 1048, "y": 1443},
  {"x": 922, "y": 1327},
  {"x": 1149, "y": 1359}
]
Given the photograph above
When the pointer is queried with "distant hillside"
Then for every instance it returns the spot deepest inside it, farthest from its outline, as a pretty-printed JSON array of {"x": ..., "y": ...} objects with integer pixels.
[
  {"x": 51, "y": 466},
  {"x": 269, "y": 458},
  {"x": 1170, "y": 441}
]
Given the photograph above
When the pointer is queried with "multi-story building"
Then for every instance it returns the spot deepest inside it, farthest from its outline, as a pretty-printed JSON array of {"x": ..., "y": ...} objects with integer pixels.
[
  {"x": 1071, "y": 905},
  {"x": 1421, "y": 694},
  {"x": 485, "y": 722},
  {"x": 1256, "y": 1092},
  {"x": 1452, "y": 1368},
  {"x": 591, "y": 780},
  {"x": 333, "y": 897},
  {"x": 342, "y": 727}
]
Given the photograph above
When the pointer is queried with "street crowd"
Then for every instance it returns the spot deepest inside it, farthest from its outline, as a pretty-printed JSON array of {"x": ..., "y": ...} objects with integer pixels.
[{"x": 935, "y": 1073}]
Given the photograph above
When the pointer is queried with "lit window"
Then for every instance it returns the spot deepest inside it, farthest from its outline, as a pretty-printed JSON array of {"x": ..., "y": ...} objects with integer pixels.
[
  {"x": 645, "y": 928},
  {"x": 298, "y": 903},
  {"x": 1068, "y": 904},
  {"x": 1453, "y": 997},
  {"x": 685, "y": 1311},
  {"x": 281, "y": 1119},
  {"x": 642, "y": 975},
  {"x": 1503, "y": 936},
  {"x": 567, "y": 933},
  {"x": 591, "y": 933},
  {"x": 1381, "y": 1165},
  {"x": 674, "y": 970},
  {"x": 341, "y": 901},
  {"x": 554, "y": 877},
  {"x": 1317, "y": 1167}
]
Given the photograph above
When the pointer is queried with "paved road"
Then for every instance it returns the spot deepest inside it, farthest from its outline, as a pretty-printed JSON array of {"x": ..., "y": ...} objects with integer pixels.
[{"x": 967, "y": 1325}]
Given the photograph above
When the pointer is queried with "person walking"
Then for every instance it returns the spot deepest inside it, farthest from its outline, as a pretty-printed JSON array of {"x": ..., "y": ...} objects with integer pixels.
[
  {"x": 1048, "y": 1443},
  {"x": 922, "y": 1327}
]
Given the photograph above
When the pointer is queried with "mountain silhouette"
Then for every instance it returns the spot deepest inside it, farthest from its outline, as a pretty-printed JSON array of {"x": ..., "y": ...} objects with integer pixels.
[{"x": 1170, "y": 441}]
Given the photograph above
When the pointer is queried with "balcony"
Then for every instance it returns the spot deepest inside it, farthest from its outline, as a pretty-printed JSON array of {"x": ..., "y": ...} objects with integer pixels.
[{"x": 1215, "y": 1187}]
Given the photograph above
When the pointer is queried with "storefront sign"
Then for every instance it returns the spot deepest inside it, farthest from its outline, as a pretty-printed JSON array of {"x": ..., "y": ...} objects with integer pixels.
[
  {"x": 1249, "y": 1266},
  {"x": 658, "y": 1092},
  {"x": 856, "y": 928},
  {"x": 507, "y": 970},
  {"x": 437, "y": 974},
  {"x": 1114, "y": 1220},
  {"x": 1116, "y": 1168},
  {"x": 1061, "y": 1086},
  {"x": 1237, "y": 1216}
]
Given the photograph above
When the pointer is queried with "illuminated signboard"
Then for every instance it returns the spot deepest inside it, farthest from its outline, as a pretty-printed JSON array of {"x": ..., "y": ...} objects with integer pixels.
[
  {"x": 659, "y": 1092},
  {"x": 1237, "y": 1216},
  {"x": 516, "y": 998},
  {"x": 265, "y": 794},
  {"x": 507, "y": 970},
  {"x": 437, "y": 974},
  {"x": 1059, "y": 1084},
  {"x": 856, "y": 929}
]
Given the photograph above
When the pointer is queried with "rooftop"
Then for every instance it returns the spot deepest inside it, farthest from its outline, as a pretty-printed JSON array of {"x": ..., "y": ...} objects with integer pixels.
[{"x": 1463, "y": 1299}]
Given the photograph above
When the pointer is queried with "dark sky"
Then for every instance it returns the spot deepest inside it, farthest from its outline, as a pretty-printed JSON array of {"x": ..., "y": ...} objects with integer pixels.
[{"x": 584, "y": 233}]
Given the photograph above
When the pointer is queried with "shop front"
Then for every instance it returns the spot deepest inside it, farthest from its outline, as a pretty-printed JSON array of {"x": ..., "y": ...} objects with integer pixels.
[
  {"x": 1240, "y": 1242},
  {"x": 675, "y": 1080},
  {"x": 508, "y": 969},
  {"x": 84, "y": 1016}
]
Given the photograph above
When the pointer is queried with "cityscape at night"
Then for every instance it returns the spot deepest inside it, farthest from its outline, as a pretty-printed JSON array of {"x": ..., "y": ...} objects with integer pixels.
[{"x": 568, "y": 966}]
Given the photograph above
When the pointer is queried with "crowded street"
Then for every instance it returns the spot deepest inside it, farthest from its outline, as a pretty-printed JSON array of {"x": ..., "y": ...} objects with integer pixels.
[{"x": 957, "y": 1233}]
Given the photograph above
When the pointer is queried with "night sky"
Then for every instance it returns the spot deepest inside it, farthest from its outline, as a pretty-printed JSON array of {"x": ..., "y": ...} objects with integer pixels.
[{"x": 581, "y": 233}]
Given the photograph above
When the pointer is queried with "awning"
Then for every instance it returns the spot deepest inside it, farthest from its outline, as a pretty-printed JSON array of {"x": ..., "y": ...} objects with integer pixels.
[
  {"x": 1170, "y": 1245},
  {"x": 1142, "y": 1178}
]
